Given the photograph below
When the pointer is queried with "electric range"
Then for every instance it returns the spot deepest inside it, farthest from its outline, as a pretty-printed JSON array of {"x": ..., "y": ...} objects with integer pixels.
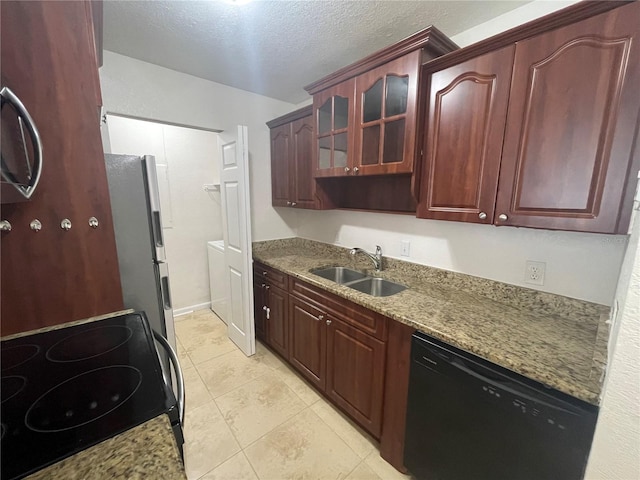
[{"x": 65, "y": 390}]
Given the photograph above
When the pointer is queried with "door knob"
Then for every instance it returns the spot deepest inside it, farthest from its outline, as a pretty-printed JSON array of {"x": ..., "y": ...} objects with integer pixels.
[
  {"x": 482, "y": 215},
  {"x": 502, "y": 217}
]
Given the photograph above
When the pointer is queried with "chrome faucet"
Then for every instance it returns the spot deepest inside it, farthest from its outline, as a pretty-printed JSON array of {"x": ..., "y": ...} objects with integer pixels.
[{"x": 376, "y": 259}]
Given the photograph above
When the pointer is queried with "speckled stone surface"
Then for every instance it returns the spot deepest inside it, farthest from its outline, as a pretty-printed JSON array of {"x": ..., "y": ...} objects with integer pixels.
[
  {"x": 558, "y": 341},
  {"x": 146, "y": 451}
]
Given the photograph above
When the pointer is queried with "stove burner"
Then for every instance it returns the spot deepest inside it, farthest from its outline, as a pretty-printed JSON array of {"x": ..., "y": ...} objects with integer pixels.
[
  {"x": 89, "y": 344},
  {"x": 11, "y": 386},
  {"x": 15, "y": 356},
  {"x": 75, "y": 402}
]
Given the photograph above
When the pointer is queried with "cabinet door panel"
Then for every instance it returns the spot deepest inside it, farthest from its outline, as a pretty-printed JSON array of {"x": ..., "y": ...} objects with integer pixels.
[
  {"x": 307, "y": 340},
  {"x": 259, "y": 317},
  {"x": 304, "y": 185},
  {"x": 385, "y": 116},
  {"x": 463, "y": 143},
  {"x": 572, "y": 116},
  {"x": 333, "y": 116},
  {"x": 280, "y": 159},
  {"x": 277, "y": 323},
  {"x": 355, "y": 366}
]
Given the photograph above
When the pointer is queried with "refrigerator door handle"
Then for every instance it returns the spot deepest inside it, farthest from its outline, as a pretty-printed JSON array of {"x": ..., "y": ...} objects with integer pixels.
[
  {"x": 166, "y": 293},
  {"x": 149, "y": 162}
]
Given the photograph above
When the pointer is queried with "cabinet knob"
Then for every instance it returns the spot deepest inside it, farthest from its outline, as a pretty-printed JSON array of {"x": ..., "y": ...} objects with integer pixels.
[
  {"x": 263, "y": 285},
  {"x": 35, "y": 225},
  {"x": 502, "y": 217},
  {"x": 266, "y": 287},
  {"x": 356, "y": 169},
  {"x": 264, "y": 308},
  {"x": 264, "y": 273},
  {"x": 346, "y": 169},
  {"x": 328, "y": 321},
  {"x": 288, "y": 202},
  {"x": 293, "y": 204},
  {"x": 65, "y": 224},
  {"x": 5, "y": 226},
  {"x": 482, "y": 215},
  {"x": 320, "y": 317}
]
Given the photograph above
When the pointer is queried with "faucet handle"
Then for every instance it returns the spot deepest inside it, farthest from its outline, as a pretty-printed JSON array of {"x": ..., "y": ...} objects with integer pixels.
[{"x": 378, "y": 250}]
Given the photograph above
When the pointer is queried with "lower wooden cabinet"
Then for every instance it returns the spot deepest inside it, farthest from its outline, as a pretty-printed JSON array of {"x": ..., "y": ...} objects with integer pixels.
[
  {"x": 308, "y": 340},
  {"x": 355, "y": 373},
  {"x": 271, "y": 308},
  {"x": 357, "y": 358}
]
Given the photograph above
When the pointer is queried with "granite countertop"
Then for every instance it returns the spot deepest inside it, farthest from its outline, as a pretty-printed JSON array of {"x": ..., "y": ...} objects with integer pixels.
[
  {"x": 558, "y": 341},
  {"x": 146, "y": 451}
]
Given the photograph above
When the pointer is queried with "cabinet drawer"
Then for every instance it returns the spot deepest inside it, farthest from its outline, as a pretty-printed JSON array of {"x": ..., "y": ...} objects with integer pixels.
[
  {"x": 360, "y": 317},
  {"x": 270, "y": 275}
]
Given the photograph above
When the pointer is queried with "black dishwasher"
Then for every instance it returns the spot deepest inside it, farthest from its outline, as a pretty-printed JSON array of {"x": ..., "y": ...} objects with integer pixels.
[{"x": 468, "y": 419}]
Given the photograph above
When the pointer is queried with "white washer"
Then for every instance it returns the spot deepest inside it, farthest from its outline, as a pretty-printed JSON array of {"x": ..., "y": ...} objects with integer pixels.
[{"x": 217, "y": 285}]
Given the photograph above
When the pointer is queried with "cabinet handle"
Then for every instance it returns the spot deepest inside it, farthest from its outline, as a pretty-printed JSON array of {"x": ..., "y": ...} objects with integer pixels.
[
  {"x": 264, "y": 308},
  {"x": 482, "y": 215},
  {"x": 293, "y": 204},
  {"x": 328, "y": 321},
  {"x": 502, "y": 217},
  {"x": 346, "y": 169},
  {"x": 356, "y": 169}
]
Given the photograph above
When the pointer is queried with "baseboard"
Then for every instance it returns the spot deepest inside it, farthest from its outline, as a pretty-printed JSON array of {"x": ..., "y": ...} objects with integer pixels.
[{"x": 192, "y": 308}]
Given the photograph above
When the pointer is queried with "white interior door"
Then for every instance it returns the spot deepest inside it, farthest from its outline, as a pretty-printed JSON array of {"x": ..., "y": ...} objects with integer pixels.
[{"x": 236, "y": 229}]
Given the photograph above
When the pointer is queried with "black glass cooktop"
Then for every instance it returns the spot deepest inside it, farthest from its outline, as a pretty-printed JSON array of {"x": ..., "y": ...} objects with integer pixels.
[{"x": 65, "y": 390}]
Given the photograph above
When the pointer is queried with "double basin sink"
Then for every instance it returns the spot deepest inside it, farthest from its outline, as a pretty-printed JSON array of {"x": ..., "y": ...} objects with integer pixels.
[{"x": 376, "y": 287}]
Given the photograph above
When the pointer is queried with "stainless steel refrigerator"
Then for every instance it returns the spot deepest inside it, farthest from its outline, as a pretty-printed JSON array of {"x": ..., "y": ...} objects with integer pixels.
[{"x": 144, "y": 273}]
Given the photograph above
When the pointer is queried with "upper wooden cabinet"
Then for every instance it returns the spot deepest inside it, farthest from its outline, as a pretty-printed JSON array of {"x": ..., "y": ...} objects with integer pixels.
[
  {"x": 463, "y": 143},
  {"x": 572, "y": 126},
  {"x": 385, "y": 123},
  {"x": 334, "y": 109},
  {"x": 292, "y": 182},
  {"x": 568, "y": 158},
  {"x": 365, "y": 113}
]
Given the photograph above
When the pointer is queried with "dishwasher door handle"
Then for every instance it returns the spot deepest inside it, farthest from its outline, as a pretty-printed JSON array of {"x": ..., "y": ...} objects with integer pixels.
[{"x": 461, "y": 365}]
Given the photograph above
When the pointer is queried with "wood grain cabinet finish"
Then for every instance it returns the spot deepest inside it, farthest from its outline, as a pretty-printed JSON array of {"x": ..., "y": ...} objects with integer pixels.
[
  {"x": 271, "y": 308},
  {"x": 385, "y": 124},
  {"x": 572, "y": 127},
  {"x": 355, "y": 373},
  {"x": 568, "y": 159},
  {"x": 292, "y": 180},
  {"x": 463, "y": 143},
  {"x": 55, "y": 276},
  {"x": 308, "y": 341},
  {"x": 333, "y": 112}
]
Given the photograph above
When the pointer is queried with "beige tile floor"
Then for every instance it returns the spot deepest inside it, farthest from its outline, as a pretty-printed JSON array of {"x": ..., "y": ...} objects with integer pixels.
[{"x": 255, "y": 418}]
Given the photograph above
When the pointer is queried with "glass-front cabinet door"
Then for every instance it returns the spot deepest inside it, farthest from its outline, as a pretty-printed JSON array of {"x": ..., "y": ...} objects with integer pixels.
[
  {"x": 386, "y": 117},
  {"x": 333, "y": 110}
]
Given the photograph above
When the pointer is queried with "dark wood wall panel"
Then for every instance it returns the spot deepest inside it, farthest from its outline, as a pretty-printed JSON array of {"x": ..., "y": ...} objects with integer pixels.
[{"x": 54, "y": 276}]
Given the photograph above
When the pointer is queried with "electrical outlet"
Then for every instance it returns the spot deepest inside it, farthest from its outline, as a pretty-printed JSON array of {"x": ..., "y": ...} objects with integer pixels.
[
  {"x": 534, "y": 272},
  {"x": 405, "y": 248}
]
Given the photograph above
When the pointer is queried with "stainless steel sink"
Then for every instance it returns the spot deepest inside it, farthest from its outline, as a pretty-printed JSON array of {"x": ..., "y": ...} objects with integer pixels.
[
  {"x": 339, "y": 275},
  {"x": 377, "y": 287}
]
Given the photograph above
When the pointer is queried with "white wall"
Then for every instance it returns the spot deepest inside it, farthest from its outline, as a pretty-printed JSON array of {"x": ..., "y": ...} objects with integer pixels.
[
  {"x": 133, "y": 87},
  {"x": 615, "y": 453}
]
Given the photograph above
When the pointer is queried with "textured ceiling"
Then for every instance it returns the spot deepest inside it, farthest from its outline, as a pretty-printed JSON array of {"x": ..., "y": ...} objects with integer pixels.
[{"x": 276, "y": 47}]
